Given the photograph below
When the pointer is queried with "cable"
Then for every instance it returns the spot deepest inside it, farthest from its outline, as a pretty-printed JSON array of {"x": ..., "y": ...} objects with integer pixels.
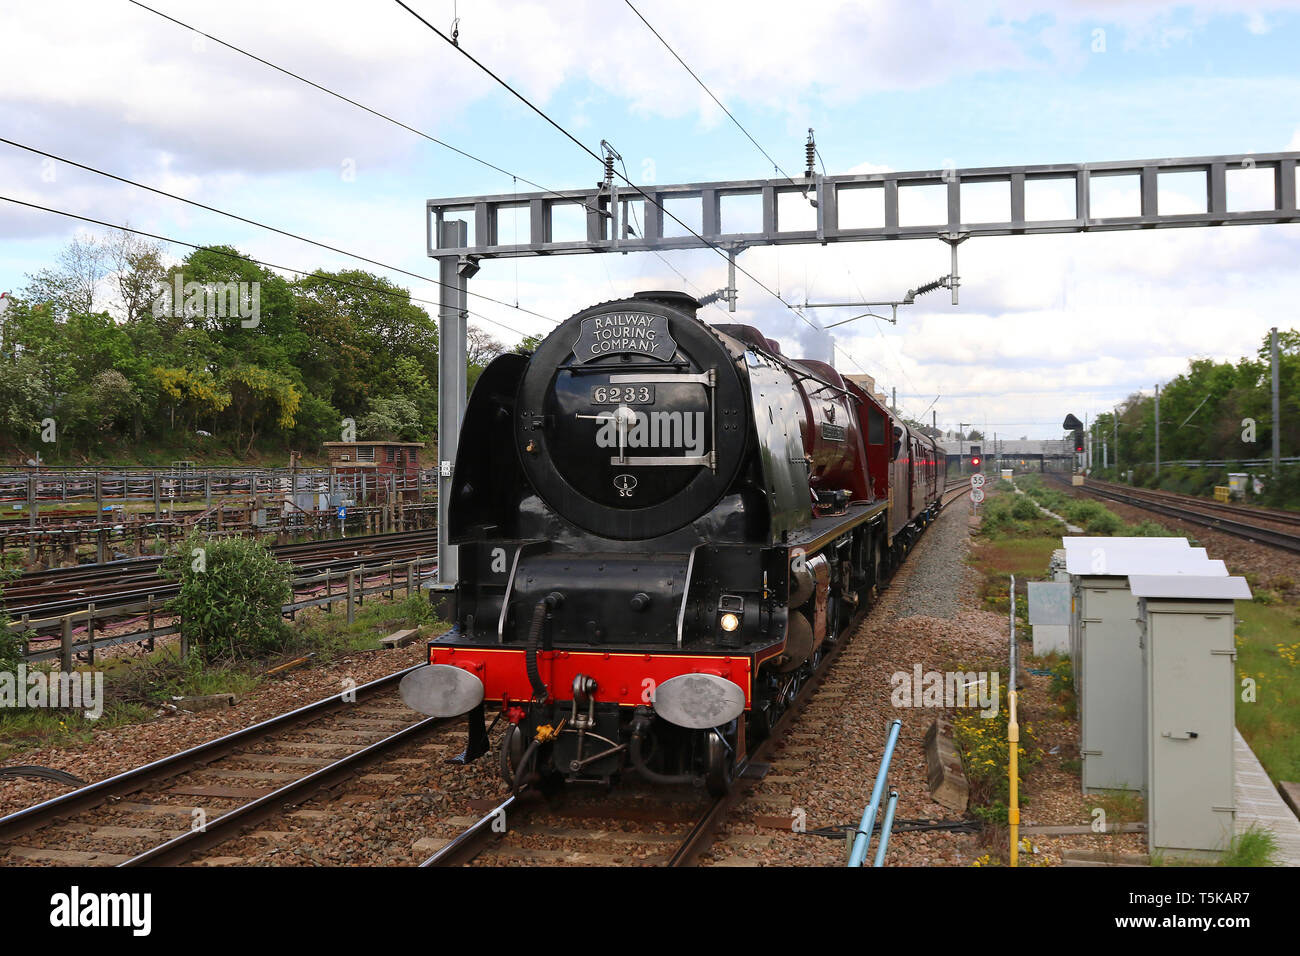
[
  {"x": 262, "y": 225},
  {"x": 660, "y": 256},
  {"x": 581, "y": 145},
  {"x": 704, "y": 87},
  {"x": 361, "y": 106},
  {"x": 340, "y": 96},
  {"x": 464, "y": 153},
  {"x": 260, "y": 262}
]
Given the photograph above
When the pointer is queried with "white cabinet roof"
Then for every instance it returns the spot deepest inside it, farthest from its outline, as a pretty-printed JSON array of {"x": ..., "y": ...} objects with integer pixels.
[{"x": 1189, "y": 587}]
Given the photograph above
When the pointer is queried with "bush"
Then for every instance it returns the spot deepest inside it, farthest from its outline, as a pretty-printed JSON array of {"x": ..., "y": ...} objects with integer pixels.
[
  {"x": 1024, "y": 509},
  {"x": 11, "y": 647},
  {"x": 232, "y": 592},
  {"x": 986, "y": 752},
  {"x": 1149, "y": 529}
]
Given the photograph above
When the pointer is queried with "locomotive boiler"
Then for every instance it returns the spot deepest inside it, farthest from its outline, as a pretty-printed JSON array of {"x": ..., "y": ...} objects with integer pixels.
[{"x": 662, "y": 526}]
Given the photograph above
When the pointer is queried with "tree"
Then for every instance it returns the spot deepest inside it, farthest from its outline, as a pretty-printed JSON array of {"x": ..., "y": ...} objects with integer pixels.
[
  {"x": 480, "y": 348},
  {"x": 71, "y": 286},
  {"x": 529, "y": 344},
  {"x": 256, "y": 395},
  {"x": 390, "y": 419},
  {"x": 139, "y": 271}
]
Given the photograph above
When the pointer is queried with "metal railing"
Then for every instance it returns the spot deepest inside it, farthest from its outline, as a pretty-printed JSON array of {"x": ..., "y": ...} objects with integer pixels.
[
  {"x": 349, "y": 585},
  {"x": 862, "y": 841}
]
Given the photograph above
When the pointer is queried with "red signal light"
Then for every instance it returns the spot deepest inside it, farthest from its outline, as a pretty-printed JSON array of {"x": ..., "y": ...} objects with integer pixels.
[{"x": 975, "y": 460}]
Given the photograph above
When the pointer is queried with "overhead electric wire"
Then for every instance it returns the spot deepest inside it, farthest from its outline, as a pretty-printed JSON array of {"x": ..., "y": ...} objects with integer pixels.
[
  {"x": 706, "y": 89},
  {"x": 471, "y": 156},
  {"x": 337, "y": 95},
  {"x": 586, "y": 149},
  {"x": 260, "y": 262},
  {"x": 263, "y": 225},
  {"x": 359, "y": 105}
]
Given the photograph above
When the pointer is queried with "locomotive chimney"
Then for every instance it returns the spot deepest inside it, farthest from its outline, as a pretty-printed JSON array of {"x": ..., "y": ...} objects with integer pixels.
[{"x": 672, "y": 299}]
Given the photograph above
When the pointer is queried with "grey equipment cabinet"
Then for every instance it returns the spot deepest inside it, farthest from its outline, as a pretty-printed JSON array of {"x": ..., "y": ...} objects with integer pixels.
[
  {"x": 1111, "y": 685},
  {"x": 1189, "y": 652},
  {"x": 1095, "y": 555}
]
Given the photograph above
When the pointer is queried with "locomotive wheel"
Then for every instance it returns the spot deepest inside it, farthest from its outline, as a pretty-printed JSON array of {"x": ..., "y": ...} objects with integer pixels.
[{"x": 720, "y": 761}]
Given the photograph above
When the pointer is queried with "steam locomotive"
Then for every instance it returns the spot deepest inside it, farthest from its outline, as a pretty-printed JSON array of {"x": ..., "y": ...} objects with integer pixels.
[{"x": 662, "y": 525}]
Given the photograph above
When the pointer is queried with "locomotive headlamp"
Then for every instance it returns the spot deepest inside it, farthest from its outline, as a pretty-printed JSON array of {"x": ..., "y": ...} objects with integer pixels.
[{"x": 731, "y": 608}]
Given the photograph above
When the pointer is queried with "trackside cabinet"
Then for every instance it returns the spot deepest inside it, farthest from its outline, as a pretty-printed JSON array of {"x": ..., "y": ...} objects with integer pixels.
[
  {"x": 1108, "y": 659},
  {"x": 1189, "y": 650},
  {"x": 1086, "y": 554}
]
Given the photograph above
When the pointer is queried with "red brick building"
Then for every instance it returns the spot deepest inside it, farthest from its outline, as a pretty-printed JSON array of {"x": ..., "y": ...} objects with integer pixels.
[{"x": 375, "y": 467}]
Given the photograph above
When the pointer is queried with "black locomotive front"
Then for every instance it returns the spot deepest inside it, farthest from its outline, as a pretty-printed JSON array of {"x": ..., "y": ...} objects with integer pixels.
[{"x": 629, "y": 503}]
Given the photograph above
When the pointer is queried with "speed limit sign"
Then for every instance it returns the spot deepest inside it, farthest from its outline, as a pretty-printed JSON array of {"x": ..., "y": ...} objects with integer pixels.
[
  {"x": 977, "y": 495},
  {"x": 977, "y": 481}
]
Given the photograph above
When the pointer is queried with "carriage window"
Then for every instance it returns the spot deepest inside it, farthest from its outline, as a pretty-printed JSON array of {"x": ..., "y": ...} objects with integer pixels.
[{"x": 875, "y": 427}]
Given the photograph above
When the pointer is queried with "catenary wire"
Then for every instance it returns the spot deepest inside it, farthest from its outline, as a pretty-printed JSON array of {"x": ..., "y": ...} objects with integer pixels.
[{"x": 260, "y": 262}]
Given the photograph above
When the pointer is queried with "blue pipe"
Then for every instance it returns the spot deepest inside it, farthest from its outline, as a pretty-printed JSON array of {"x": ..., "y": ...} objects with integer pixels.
[
  {"x": 885, "y": 828},
  {"x": 863, "y": 840}
]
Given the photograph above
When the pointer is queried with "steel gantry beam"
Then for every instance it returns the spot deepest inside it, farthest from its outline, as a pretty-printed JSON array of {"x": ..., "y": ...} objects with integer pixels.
[
  {"x": 606, "y": 210},
  {"x": 461, "y": 231}
]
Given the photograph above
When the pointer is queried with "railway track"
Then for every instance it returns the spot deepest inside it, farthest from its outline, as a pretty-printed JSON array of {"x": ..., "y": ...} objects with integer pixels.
[
  {"x": 1244, "y": 512},
  {"x": 1198, "y": 515},
  {"x": 67, "y": 590},
  {"x": 170, "y": 811}
]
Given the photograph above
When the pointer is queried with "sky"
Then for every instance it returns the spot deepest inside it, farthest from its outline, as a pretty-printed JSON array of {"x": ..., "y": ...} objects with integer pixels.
[{"x": 1046, "y": 325}]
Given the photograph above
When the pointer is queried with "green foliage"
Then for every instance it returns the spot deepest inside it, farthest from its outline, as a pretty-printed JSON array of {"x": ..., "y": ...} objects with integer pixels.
[
  {"x": 986, "y": 753},
  {"x": 1009, "y": 515},
  {"x": 329, "y": 635},
  {"x": 1204, "y": 416},
  {"x": 11, "y": 647},
  {"x": 1254, "y": 846},
  {"x": 231, "y": 595},
  {"x": 1062, "y": 686},
  {"x": 1268, "y": 683},
  {"x": 390, "y": 419},
  {"x": 131, "y": 370}
]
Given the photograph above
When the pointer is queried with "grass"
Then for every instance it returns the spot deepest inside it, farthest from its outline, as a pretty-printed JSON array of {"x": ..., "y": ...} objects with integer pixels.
[
  {"x": 1087, "y": 513},
  {"x": 329, "y": 634},
  {"x": 1120, "y": 806},
  {"x": 1254, "y": 846},
  {"x": 1268, "y": 653}
]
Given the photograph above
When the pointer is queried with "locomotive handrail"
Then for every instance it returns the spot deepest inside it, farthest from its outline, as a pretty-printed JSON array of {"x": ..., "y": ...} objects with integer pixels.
[{"x": 862, "y": 842}]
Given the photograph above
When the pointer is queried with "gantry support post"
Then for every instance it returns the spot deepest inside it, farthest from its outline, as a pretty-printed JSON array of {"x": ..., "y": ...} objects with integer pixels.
[{"x": 454, "y": 272}]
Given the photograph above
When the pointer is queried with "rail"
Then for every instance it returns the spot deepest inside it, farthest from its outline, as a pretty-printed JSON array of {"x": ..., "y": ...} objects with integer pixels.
[
  {"x": 862, "y": 841},
  {"x": 349, "y": 585}
]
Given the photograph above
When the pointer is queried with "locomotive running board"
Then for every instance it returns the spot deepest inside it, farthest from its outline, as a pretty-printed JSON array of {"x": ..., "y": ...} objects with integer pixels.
[{"x": 822, "y": 531}]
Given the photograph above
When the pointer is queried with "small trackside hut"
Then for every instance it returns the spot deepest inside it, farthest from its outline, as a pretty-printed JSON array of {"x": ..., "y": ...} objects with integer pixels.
[{"x": 377, "y": 469}]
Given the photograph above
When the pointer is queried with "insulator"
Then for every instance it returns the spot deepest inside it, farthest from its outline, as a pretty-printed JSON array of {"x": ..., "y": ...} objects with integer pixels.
[
  {"x": 810, "y": 148},
  {"x": 609, "y": 169}
]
